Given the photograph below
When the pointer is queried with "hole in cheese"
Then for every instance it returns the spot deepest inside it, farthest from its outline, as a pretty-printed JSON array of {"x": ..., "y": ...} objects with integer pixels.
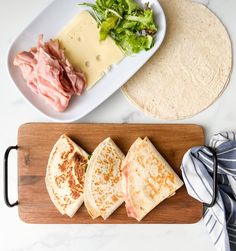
[
  {"x": 85, "y": 51},
  {"x": 98, "y": 57}
]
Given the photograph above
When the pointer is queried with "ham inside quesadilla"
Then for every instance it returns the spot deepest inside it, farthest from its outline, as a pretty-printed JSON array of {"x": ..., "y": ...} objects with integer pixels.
[{"x": 147, "y": 178}]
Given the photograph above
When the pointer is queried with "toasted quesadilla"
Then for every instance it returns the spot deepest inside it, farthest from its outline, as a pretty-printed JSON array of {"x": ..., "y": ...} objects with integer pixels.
[
  {"x": 147, "y": 179},
  {"x": 103, "y": 180},
  {"x": 65, "y": 175}
]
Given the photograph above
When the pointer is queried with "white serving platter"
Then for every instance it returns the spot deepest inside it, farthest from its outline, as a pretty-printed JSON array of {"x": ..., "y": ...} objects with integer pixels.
[{"x": 49, "y": 22}]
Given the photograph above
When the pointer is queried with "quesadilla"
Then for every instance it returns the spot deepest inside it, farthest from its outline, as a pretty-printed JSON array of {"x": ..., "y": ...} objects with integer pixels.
[
  {"x": 65, "y": 175},
  {"x": 147, "y": 179},
  {"x": 103, "y": 180}
]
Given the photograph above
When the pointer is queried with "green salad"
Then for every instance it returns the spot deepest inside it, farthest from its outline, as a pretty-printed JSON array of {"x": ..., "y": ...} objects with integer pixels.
[{"x": 131, "y": 26}]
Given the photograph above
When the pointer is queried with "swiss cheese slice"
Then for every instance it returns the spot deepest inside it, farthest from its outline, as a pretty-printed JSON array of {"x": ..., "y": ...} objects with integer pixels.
[{"x": 80, "y": 39}]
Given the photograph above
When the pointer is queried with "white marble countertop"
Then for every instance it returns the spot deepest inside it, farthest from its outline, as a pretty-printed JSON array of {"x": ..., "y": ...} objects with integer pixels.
[{"x": 14, "y": 110}]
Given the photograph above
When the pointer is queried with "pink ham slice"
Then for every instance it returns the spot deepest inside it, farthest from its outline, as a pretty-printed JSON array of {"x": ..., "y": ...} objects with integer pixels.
[
  {"x": 49, "y": 74},
  {"x": 128, "y": 205}
]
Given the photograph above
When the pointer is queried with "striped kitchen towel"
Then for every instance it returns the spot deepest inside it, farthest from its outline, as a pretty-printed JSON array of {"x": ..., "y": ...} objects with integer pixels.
[{"x": 197, "y": 166}]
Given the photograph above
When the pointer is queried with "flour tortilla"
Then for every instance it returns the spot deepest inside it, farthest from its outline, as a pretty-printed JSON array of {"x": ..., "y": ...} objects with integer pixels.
[
  {"x": 65, "y": 175},
  {"x": 89, "y": 201},
  {"x": 147, "y": 179},
  {"x": 103, "y": 180},
  {"x": 191, "y": 68}
]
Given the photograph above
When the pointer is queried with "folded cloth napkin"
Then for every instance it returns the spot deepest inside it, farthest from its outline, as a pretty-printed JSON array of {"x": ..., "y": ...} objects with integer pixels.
[{"x": 197, "y": 167}]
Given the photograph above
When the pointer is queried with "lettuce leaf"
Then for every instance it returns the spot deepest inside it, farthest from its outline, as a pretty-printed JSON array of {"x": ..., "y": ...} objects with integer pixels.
[
  {"x": 134, "y": 44},
  {"x": 106, "y": 26},
  {"x": 132, "y": 27},
  {"x": 132, "y": 6},
  {"x": 145, "y": 20}
]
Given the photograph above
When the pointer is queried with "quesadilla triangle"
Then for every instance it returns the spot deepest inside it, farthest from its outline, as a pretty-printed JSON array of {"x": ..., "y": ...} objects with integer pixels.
[
  {"x": 147, "y": 179},
  {"x": 65, "y": 175},
  {"x": 103, "y": 180}
]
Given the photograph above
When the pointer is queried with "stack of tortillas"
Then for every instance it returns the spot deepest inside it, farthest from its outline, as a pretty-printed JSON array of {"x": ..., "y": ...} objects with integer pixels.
[{"x": 191, "y": 68}]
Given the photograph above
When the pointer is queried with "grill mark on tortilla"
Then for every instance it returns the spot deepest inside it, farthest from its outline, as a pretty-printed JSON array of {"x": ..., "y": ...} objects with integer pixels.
[
  {"x": 70, "y": 173},
  {"x": 107, "y": 171},
  {"x": 149, "y": 184},
  {"x": 60, "y": 179},
  {"x": 158, "y": 180},
  {"x": 66, "y": 200},
  {"x": 66, "y": 154},
  {"x": 77, "y": 183},
  {"x": 109, "y": 161}
]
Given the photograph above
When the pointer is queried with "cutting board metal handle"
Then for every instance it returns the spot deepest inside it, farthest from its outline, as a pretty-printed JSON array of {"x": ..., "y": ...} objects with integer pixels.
[
  {"x": 215, "y": 180},
  {"x": 5, "y": 176}
]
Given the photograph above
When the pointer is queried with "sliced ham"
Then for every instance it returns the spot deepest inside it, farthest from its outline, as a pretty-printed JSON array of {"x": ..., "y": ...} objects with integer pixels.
[
  {"x": 128, "y": 205},
  {"x": 49, "y": 74}
]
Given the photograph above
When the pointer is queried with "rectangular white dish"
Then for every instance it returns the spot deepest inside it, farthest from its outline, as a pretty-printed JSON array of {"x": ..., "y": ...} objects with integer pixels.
[{"x": 49, "y": 22}]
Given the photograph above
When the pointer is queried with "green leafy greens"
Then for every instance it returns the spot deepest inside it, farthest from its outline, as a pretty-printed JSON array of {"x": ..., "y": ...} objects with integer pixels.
[{"x": 131, "y": 26}]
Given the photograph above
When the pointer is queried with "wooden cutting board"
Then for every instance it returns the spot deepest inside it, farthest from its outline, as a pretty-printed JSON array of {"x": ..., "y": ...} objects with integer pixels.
[{"x": 35, "y": 141}]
